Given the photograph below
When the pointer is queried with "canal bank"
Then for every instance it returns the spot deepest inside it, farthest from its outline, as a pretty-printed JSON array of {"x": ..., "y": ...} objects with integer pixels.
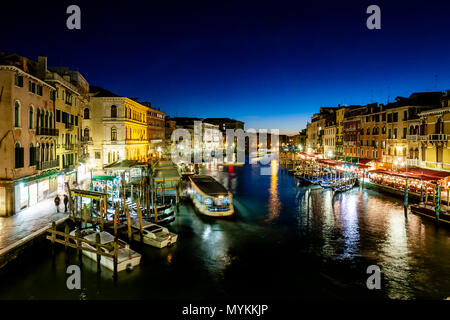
[
  {"x": 19, "y": 233},
  {"x": 284, "y": 242}
]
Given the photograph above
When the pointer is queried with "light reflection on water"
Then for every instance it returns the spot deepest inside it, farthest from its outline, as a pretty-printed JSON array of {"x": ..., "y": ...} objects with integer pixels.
[
  {"x": 279, "y": 229},
  {"x": 359, "y": 225}
]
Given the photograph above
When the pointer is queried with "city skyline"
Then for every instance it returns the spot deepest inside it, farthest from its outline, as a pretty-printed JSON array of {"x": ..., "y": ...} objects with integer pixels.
[{"x": 259, "y": 64}]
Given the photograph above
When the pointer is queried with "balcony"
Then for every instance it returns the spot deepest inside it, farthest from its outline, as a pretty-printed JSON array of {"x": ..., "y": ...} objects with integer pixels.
[
  {"x": 69, "y": 146},
  {"x": 412, "y": 137},
  {"x": 86, "y": 140},
  {"x": 412, "y": 162},
  {"x": 437, "y": 137},
  {"x": 69, "y": 167},
  {"x": 69, "y": 126},
  {"x": 45, "y": 165},
  {"x": 47, "y": 132}
]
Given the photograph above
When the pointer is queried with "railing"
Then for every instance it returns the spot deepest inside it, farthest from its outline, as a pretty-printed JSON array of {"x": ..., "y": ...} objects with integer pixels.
[
  {"x": 69, "y": 146},
  {"x": 44, "y": 165},
  {"x": 47, "y": 132},
  {"x": 86, "y": 140},
  {"x": 69, "y": 126},
  {"x": 412, "y": 162},
  {"x": 437, "y": 137},
  {"x": 69, "y": 167},
  {"x": 412, "y": 137}
]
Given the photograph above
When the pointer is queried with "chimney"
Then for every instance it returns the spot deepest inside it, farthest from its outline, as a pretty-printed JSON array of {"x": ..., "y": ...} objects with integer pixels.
[{"x": 42, "y": 67}]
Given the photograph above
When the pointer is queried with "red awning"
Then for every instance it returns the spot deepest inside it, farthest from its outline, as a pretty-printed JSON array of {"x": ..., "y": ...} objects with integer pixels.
[
  {"x": 407, "y": 174},
  {"x": 427, "y": 172}
]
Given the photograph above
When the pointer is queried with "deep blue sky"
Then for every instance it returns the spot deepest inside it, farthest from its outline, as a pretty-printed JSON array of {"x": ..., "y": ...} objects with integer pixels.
[{"x": 269, "y": 63}]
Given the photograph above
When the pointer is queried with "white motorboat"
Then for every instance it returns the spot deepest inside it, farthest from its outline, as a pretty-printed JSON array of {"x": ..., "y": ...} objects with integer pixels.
[
  {"x": 153, "y": 234},
  {"x": 210, "y": 197},
  {"x": 126, "y": 259}
]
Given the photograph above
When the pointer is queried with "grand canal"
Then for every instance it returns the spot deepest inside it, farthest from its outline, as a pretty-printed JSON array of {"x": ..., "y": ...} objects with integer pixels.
[{"x": 285, "y": 242}]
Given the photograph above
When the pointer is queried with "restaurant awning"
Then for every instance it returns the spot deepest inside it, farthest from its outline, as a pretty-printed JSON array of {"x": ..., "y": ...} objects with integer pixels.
[
  {"x": 89, "y": 194},
  {"x": 407, "y": 174},
  {"x": 122, "y": 165},
  {"x": 102, "y": 178}
]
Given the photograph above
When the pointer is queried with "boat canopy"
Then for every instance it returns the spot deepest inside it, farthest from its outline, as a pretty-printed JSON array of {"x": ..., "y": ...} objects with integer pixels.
[{"x": 209, "y": 185}]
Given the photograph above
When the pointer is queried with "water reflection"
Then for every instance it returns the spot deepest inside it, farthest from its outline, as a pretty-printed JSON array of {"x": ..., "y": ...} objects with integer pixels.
[{"x": 274, "y": 204}]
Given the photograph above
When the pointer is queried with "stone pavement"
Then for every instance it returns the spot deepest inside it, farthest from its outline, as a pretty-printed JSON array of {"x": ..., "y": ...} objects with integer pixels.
[{"x": 28, "y": 223}]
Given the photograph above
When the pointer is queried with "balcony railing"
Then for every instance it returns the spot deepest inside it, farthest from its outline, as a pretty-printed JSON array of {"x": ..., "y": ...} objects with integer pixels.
[
  {"x": 86, "y": 140},
  {"x": 412, "y": 162},
  {"x": 69, "y": 126},
  {"x": 437, "y": 137},
  {"x": 69, "y": 146},
  {"x": 44, "y": 165},
  {"x": 47, "y": 132},
  {"x": 412, "y": 137}
]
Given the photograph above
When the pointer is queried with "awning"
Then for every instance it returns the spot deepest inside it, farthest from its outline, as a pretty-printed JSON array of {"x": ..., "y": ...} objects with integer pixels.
[
  {"x": 409, "y": 175},
  {"x": 89, "y": 194},
  {"x": 123, "y": 165},
  {"x": 47, "y": 175},
  {"x": 102, "y": 178}
]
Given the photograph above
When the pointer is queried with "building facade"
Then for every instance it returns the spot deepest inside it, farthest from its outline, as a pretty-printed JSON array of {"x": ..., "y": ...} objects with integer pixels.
[
  {"x": 114, "y": 128},
  {"x": 28, "y": 137}
]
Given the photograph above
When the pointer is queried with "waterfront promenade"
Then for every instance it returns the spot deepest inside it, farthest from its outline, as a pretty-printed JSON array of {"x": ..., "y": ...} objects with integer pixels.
[{"x": 28, "y": 224}]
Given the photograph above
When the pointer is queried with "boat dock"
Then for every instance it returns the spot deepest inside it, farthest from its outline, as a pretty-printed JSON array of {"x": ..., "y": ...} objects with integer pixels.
[{"x": 20, "y": 231}]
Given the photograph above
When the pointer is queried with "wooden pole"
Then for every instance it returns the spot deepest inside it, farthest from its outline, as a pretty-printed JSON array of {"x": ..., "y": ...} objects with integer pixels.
[
  {"x": 141, "y": 230},
  {"x": 128, "y": 223},
  {"x": 66, "y": 239},
  {"x": 116, "y": 253},
  {"x": 99, "y": 257},
  {"x": 102, "y": 204},
  {"x": 78, "y": 234},
  {"x": 85, "y": 215},
  {"x": 116, "y": 215}
]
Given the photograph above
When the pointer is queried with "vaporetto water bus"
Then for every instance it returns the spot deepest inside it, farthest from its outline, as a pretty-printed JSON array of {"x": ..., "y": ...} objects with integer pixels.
[{"x": 210, "y": 197}]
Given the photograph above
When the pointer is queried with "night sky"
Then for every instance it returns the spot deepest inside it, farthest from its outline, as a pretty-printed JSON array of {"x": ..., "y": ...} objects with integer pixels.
[{"x": 268, "y": 63}]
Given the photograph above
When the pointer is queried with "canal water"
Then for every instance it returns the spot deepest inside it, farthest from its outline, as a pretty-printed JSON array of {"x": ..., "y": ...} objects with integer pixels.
[{"x": 285, "y": 242}]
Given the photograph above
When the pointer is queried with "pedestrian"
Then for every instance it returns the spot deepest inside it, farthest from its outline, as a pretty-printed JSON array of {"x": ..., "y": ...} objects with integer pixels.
[
  {"x": 66, "y": 201},
  {"x": 57, "y": 202}
]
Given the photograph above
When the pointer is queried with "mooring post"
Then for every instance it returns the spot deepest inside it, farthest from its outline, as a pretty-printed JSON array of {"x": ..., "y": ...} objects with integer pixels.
[
  {"x": 78, "y": 234},
  {"x": 116, "y": 252},
  {"x": 141, "y": 231},
  {"x": 66, "y": 238},
  {"x": 102, "y": 205},
  {"x": 116, "y": 214},
  {"x": 128, "y": 223},
  {"x": 85, "y": 215},
  {"x": 99, "y": 256}
]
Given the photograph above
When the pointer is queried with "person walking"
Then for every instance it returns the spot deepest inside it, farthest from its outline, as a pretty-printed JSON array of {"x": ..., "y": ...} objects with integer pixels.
[
  {"x": 57, "y": 202},
  {"x": 66, "y": 201}
]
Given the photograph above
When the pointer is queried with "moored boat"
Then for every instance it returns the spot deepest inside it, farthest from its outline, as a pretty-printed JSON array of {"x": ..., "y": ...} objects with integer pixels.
[
  {"x": 429, "y": 211},
  {"x": 126, "y": 259},
  {"x": 210, "y": 197},
  {"x": 154, "y": 235}
]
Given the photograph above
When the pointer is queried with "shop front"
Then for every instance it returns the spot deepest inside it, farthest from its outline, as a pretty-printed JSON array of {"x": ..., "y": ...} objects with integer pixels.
[{"x": 32, "y": 190}]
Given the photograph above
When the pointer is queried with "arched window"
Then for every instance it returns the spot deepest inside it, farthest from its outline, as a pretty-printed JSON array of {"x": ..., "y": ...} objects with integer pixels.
[
  {"x": 368, "y": 131},
  {"x": 32, "y": 156},
  {"x": 50, "y": 120},
  {"x": 113, "y": 134},
  {"x": 383, "y": 130},
  {"x": 113, "y": 111},
  {"x": 38, "y": 115},
  {"x": 30, "y": 118},
  {"x": 46, "y": 119},
  {"x": 86, "y": 134},
  {"x": 17, "y": 114},
  {"x": 18, "y": 156},
  {"x": 86, "y": 113}
]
